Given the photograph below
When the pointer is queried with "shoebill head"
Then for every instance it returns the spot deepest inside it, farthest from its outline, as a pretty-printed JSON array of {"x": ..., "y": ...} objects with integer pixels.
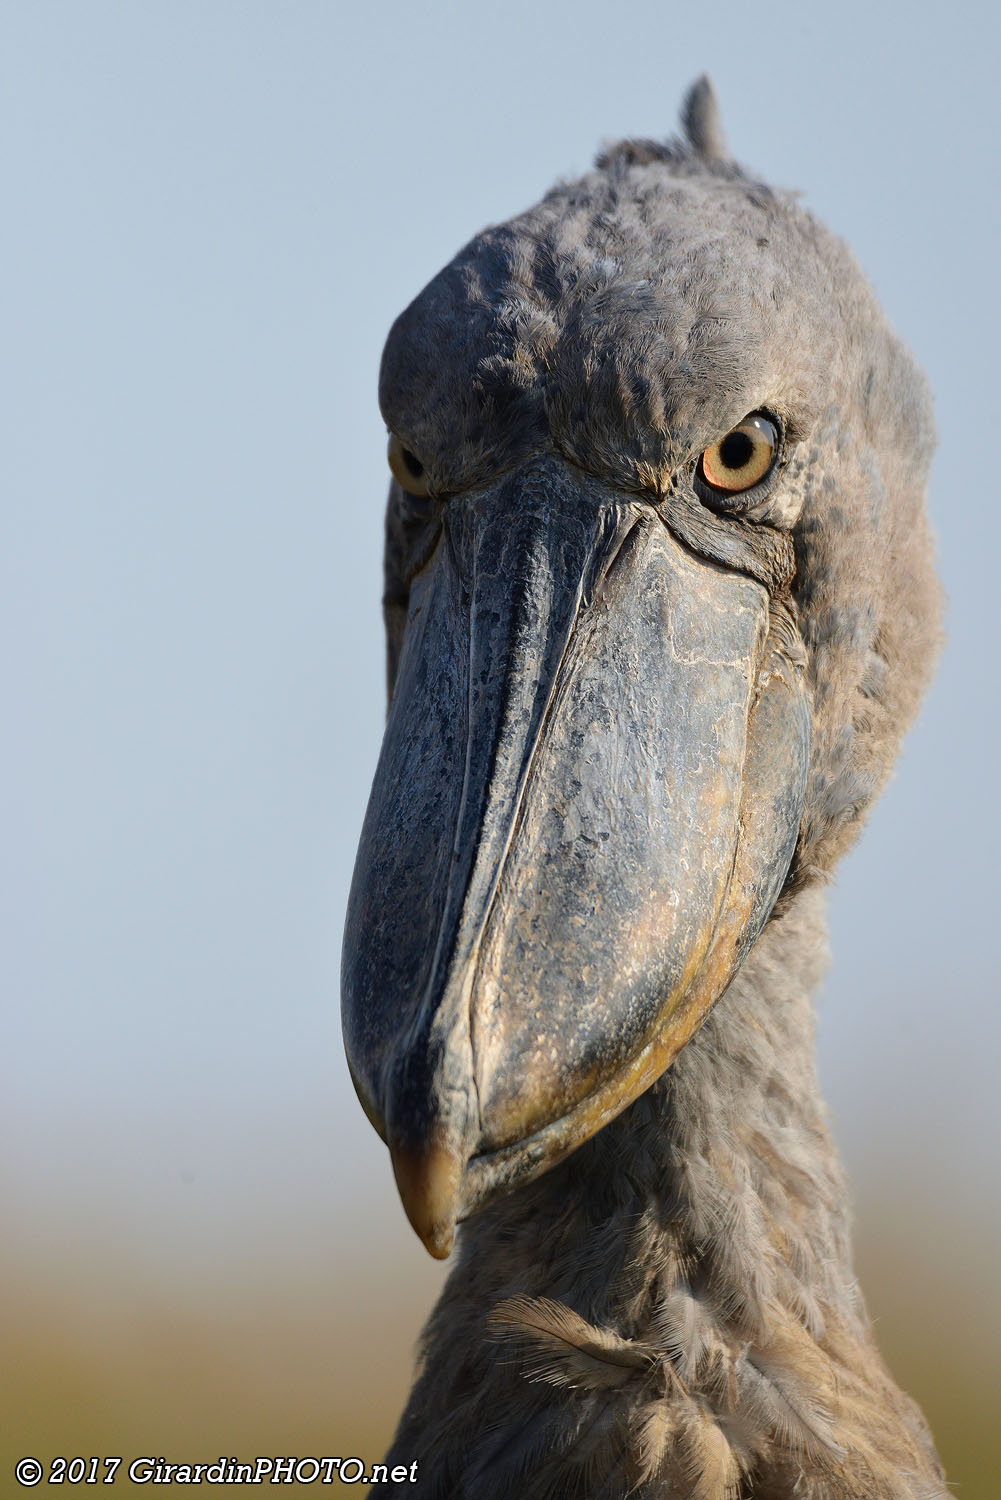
[{"x": 659, "y": 604}]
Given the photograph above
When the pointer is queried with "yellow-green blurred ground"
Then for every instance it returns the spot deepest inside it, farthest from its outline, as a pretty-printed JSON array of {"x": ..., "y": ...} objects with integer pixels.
[
  {"x": 932, "y": 1290},
  {"x": 313, "y": 1359},
  {"x": 309, "y": 1364}
]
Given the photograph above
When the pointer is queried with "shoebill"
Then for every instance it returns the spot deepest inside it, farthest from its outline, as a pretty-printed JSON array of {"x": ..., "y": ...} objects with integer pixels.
[{"x": 660, "y": 605}]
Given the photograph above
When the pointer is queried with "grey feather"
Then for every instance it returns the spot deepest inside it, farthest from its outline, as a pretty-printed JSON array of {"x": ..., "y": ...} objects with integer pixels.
[
  {"x": 560, "y": 1346},
  {"x": 683, "y": 1326},
  {"x": 790, "y": 1389},
  {"x": 701, "y": 122}
]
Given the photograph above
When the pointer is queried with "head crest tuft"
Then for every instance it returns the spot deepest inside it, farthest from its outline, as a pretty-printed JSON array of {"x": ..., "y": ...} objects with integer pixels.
[{"x": 701, "y": 122}]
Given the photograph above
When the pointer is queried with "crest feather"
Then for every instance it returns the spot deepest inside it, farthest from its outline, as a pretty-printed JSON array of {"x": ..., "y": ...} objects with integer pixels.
[{"x": 700, "y": 120}]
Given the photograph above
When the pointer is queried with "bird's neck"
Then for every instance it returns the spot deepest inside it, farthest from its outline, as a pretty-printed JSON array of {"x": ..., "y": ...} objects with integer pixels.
[
  {"x": 703, "y": 1239},
  {"x": 725, "y": 1167}
]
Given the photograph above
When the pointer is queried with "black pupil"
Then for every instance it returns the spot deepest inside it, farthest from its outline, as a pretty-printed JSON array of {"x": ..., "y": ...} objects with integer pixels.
[
  {"x": 736, "y": 450},
  {"x": 413, "y": 465}
]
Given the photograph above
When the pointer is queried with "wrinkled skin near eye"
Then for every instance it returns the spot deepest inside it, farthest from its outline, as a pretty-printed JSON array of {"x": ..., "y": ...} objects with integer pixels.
[
  {"x": 743, "y": 458},
  {"x": 408, "y": 471}
]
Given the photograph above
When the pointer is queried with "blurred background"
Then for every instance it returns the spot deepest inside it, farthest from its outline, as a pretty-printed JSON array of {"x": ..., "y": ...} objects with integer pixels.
[{"x": 213, "y": 213}]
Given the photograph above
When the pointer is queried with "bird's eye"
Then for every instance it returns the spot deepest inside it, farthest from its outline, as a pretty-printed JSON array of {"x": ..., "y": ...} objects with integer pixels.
[
  {"x": 408, "y": 471},
  {"x": 742, "y": 459}
]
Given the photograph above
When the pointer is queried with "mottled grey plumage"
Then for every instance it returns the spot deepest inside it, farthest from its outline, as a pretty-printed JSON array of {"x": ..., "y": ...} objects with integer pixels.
[{"x": 671, "y": 1311}]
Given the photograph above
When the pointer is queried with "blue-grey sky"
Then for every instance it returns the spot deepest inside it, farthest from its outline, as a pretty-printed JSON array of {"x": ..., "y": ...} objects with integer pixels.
[{"x": 213, "y": 212}]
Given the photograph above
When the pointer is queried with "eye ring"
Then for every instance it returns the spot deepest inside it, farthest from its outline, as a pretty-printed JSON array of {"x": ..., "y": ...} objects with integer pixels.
[
  {"x": 407, "y": 469},
  {"x": 742, "y": 460}
]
